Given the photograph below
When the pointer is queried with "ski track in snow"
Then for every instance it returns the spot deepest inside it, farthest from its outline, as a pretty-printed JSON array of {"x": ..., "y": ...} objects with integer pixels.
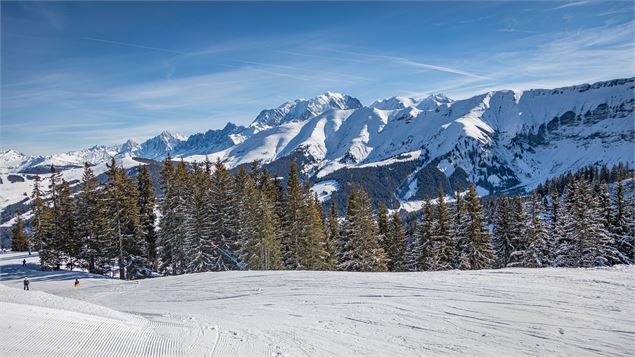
[{"x": 563, "y": 312}]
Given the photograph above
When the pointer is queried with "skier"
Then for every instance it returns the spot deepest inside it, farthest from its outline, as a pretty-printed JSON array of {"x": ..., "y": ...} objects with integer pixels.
[
  {"x": 26, "y": 284},
  {"x": 29, "y": 250},
  {"x": 76, "y": 283},
  {"x": 24, "y": 263}
]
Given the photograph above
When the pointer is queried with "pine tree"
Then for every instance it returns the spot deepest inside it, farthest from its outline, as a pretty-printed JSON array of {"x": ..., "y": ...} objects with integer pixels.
[
  {"x": 92, "y": 224},
  {"x": 312, "y": 254},
  {"x": 595, "y": 246},
  {"x": 51, "y": 254},
  {"x": 503, "y": 236},
  {"x": 396, "y": 245},
  {"x": 198, "y": 229},
  {"x": 293, "y": 220},
  {"x": 442, "y": 236},
  {"x": 126, "y": 244},
  {"x": 461, "y": 259},
  {"x": 224, "y": 217},
  {"x": 332, "y": 237},
  {"x": 563, "y": 228},
  {"x": 19, "y": 238},
  {"x": 383, "y": 228},
  {"x": 423, "y": 238},
  {"x": 519, "y": 243},
  {"x": 68, "y": 241},
  {"x": 360, "y": 249},
  {"x": 41, "y": 224},
  {"x": 147, "y": 217},
  {"x": 478, "y": 244},
  {"x": 267, "y": 254},
  {"x": 556, "y": 224},
  {"x": 536, "y": 255},
  {"x": 622, "y": 226}
]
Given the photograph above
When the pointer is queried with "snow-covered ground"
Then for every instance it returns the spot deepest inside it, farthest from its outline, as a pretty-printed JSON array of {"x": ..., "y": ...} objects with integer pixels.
[{"x": 509, "y": 312}]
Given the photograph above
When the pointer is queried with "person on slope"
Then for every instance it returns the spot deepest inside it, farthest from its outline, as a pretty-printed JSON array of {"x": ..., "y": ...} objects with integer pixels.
[
  {"x": 26, "y": 284},
  {"x": 24, "y": 263},
  {"x": 76, "y": 283}
]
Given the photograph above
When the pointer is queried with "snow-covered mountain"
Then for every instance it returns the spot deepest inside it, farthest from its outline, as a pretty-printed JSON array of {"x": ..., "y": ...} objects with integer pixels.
[{"x": 402, "y": 148}]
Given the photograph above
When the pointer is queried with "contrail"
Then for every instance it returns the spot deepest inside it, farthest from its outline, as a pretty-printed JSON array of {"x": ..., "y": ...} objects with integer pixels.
[{"x": 133, "y": 45}]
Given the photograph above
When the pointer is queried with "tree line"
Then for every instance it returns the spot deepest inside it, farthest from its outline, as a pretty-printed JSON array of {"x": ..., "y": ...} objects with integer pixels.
[{"x": 209, "y": 219}]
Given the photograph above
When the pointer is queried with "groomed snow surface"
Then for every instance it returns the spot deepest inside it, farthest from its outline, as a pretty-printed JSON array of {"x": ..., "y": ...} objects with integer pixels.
[{"x": 508, "y": 312}]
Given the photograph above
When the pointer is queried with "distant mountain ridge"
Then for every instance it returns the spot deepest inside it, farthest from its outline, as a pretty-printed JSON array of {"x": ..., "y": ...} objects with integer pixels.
[{"x": 501, "y": 140}]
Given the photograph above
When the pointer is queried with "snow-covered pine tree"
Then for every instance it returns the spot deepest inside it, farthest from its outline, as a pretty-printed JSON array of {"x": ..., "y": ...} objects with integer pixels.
[
  {"x": 622, "y": 225},
  {"x": 503, "y": 238},
  {"x": 422, "y": 253},
  {"x": 563, "y": 228},
  {"x": 397, "y": 245},
  {"x": 92, "y": 224},
  {"x": 343, "y": 248},
  {"x": 555, "y": 228},
  {"x": 478, "y": 243},
  {"x": 460, "y": 259},
  {"x": 361, "y": 249},
  {"x": 19, "y": 238},
  {"x": 198, "y": 223},
  {"x": 147, "y": 217},
  {"x": 224, "y": 217},
  {"x": 595, "y": 246},
  {"x": 536, "y": 254},
  {"x": 519, "y": 243},
  {"x": 442, "y": 250},
  {"x": 167, "y": 219}
]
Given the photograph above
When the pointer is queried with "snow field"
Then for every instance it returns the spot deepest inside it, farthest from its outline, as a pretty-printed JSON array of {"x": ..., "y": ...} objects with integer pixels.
[{"x": 508, "y": 312}]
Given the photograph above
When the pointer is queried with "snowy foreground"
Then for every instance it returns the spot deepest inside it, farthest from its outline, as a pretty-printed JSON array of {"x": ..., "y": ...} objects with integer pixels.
[{"x": 485, "y": 313}]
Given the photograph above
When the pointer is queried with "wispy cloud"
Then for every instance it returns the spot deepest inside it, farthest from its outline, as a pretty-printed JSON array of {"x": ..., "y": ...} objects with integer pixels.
[
  {"x": 133, "y": 45},
  {"x": 570, "y": 4}
]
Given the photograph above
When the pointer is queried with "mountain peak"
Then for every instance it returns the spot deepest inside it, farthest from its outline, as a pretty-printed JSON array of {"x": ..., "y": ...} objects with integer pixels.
[{"x": 302, "y": 109}]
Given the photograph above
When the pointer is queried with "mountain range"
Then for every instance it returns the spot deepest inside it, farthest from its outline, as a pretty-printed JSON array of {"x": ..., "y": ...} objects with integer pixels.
[{"x": 400, "y": 148}]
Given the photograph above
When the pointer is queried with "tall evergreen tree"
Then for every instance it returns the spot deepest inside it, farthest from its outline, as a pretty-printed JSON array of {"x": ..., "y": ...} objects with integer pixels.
[
  {"x": 519, "y": 243},
  {"x": 19, "y": 237},
  {"x": 622, "y": 225},
  {"x": 41, "y": 224},
  {"x": 224, "y": 217},
  {"x": 69, "y": 242},
  {"x": 442, "y": 235},
  {"x": 125, "y": 242},
  {"x": 536, "y": 254},
  {"x": 147, "y": 217},
  {"x": 423, "y": 253},
  {"x": 293, "y": 220},
  {"x": 383, "y": 227},
  {"x": 92, "y": 224},
  {"x": 478, "y": 244},
  {"x": 460, "y": 260},
  {"x": 361, "y": 249},
  {"x": 198, "y": 222},
  {"x": 396, "y": 245},
  {"x": 332, "y": 236},
  {"x": 503, "y": 235}
]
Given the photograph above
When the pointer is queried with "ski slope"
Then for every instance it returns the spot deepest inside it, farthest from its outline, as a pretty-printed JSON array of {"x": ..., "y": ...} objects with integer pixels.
[{"x": 568, "y": 312}]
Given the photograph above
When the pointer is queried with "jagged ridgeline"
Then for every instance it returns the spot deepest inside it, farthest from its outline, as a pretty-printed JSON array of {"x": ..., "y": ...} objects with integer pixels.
[
  {"x": 399, "y": 149},
  {"x": 209, "y": 219}
]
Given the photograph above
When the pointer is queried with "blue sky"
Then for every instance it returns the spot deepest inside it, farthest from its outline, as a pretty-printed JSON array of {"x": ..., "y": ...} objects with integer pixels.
[{"x": 76, "y": 74}]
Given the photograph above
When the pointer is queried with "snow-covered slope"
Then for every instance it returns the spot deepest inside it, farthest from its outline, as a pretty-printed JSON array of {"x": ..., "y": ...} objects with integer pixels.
[
  {"x": 507, "y": 312},
  {"x": 502, "y": 140}
]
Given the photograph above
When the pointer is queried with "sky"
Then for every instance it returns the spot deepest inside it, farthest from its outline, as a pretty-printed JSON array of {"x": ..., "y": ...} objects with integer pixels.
[{"x": 78, "y": 74}]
